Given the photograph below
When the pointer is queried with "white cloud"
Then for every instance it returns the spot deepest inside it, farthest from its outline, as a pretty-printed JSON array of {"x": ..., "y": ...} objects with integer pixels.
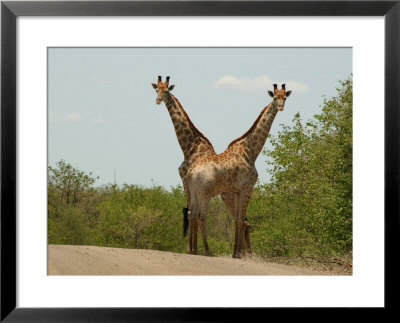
[
  {"x": 296, "y": 86},
  {"x": 67, "y": 117},
  {"x": 246, "y": 84},
  {"x": 256, "y": 84},
  {"x": 72, "y": 117}
]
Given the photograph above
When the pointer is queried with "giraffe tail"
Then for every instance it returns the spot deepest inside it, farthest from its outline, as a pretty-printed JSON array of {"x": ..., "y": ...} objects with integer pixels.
[{"x": 185, "y": 220}]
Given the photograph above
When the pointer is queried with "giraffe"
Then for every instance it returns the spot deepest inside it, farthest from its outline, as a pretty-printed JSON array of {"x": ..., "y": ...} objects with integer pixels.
[
  {"x": 233, "y": 171},
  {"x": 193, "y": 144}
]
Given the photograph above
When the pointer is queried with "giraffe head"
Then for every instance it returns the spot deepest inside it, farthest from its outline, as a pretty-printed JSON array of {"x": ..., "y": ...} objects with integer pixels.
[
  {"x": 162, "y": 89},
  {"x": 279, "y": 96}
]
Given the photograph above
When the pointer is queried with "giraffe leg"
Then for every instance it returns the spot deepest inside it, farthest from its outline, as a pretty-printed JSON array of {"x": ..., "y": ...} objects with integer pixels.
[
  {"x": 190, "y": 229},
  {"x": 202, "y": 221},
  {"x": 229, "y": 201},
  {"x": 238, "y": 231},
  {"x": 193, "y": 222},
  {"x": 240, "y": 238},
  {"x": 186, "y": 211},
  {"x": 243, "y": 224},
  {"x": 194, "y": 237},
  {"x": 204, "y": 236},
  {"x": 236, "y": 238},
  {"x": 193, "y": 228},
  {"x": 247, "y": 237}
]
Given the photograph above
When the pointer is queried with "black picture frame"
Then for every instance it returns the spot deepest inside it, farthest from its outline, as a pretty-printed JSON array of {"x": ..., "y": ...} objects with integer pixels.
[{"x": 10, "y": 10}]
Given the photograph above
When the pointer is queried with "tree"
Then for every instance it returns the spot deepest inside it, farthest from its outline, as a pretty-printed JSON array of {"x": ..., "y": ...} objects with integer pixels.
[
  {"x": 66, "y": 183},
  {"x": 310, "y": 194}
]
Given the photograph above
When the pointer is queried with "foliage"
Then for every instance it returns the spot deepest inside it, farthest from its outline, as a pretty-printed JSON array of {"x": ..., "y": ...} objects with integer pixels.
[
  {"x": 310, "y": 194},
  {"x": 67, "y": 184}
]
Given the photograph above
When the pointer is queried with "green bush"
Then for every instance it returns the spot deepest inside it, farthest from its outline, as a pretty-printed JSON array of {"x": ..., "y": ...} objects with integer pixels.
[{"x": 71, "y": 227}]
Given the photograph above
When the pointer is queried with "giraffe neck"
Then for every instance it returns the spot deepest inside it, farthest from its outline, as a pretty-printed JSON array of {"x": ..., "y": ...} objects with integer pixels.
[
  {"x": 258, "y": 136},
  {"x": 187, "y": 134}
]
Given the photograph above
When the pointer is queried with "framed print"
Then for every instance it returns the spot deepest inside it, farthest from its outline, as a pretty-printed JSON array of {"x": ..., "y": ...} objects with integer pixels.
[{"x": 73, "y": 76}]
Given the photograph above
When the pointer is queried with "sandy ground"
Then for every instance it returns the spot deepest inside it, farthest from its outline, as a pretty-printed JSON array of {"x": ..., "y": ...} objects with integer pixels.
[{"x": 90, "y": 260}]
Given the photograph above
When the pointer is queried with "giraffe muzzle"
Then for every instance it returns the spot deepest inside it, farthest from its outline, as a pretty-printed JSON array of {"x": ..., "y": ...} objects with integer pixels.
[
  {"x": 158, "y": 101},
  {"x": 280, "y": 107}
]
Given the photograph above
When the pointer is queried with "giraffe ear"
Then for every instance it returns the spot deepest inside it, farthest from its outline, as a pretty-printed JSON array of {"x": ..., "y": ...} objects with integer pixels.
[
  {"x": 288, "y": 93},
  {"x": 270, "y": 93},
  {"x": 153, "y": 85},
  {"x": 171, "y": 87}
]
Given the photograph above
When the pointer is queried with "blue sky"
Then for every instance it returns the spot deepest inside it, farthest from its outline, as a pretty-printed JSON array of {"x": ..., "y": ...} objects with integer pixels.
[{"x": 102, "y": 115}]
